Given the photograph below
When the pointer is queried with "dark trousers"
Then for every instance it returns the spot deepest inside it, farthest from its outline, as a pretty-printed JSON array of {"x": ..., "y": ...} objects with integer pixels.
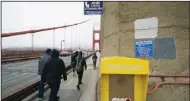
[
  {"x": 54, "y": 90},
  {"x": 73, "y": 66},
  {"x": 94, "y": 63},
  {"x": 73, "y": 69},
  {"x": 80, "y": 75},
  {"x": 41, "y": 90}
]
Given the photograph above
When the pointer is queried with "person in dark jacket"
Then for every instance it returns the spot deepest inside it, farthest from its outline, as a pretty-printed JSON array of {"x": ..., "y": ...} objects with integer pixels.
[
  {"x": 81, "y": 63},
  {"x": 43, "y": 60},
  {"x": 53, "y": 71},
  {"x": 74, "y": 62},
  {"x": 94, "y": 58}
]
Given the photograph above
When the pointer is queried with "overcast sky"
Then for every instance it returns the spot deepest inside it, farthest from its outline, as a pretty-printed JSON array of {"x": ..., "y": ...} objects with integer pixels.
[{"x": 19, "y": 16}]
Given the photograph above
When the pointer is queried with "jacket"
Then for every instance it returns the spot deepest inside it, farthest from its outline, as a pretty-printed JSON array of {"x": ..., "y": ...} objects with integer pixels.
[
  {"x": 94, "y": 58},
  {"x": 53, "y": 71},
  {"x": 82, "y": 65},
  {"x": 73, "y": 60},
  {"x": 43, "y": 60}
]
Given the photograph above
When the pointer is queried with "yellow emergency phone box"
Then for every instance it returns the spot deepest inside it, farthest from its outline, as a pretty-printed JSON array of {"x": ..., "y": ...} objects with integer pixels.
[{"x": 124, "y": 79}]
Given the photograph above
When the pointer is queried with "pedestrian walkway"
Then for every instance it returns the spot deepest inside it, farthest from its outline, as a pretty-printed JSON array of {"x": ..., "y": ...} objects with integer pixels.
[{"x": 68, "y": 90}]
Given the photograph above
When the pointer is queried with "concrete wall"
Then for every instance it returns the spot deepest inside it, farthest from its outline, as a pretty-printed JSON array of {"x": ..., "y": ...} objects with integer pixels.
[{"x": 117, "y": 38}]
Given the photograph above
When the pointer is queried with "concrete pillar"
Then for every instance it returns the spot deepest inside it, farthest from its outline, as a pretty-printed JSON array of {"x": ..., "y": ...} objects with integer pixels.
[{"x": 117, "y": 38}]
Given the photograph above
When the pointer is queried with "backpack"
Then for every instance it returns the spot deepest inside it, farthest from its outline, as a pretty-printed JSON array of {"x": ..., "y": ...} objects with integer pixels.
[{"x": 79, "y": 65}]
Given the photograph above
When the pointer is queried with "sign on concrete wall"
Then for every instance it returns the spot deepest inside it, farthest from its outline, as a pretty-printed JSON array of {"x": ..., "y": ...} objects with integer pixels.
[
  {"x": 144, "y": 48},
  {"x": 93, "y": 7},
  {"x": 146, "y": 28}
]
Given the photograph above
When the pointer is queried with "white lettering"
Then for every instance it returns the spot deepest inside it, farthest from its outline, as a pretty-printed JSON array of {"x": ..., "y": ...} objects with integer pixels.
[
  {"x": 121, "y": 99},
  {"x": 96, "y": 3},
  {"x": 95, "y": 6}
]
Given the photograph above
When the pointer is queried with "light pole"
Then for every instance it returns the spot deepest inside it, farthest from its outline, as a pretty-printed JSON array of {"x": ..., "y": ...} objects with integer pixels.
[
  {"x": 79, "y": 37},
  {"x": 32, "y": 42},
  {"x": 76, "y": 36},
  {"x": 53, "y": 38},
  {"x": 61, "y": 44},
  {"x": 65, "y": 38},
  {"x": 71, "y": 39}
]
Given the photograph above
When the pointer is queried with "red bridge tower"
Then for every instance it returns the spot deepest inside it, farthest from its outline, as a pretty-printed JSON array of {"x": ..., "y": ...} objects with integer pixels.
[{"x": 94, "y": 39}]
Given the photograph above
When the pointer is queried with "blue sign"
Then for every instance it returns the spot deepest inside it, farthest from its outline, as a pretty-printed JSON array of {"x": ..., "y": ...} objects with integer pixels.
[
  {"x": 144, "y": 48},
  {"x": 93, "y": 7}
]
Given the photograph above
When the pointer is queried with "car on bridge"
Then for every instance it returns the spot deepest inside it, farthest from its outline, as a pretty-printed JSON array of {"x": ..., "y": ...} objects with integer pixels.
[{"x": 65, "y": 53}]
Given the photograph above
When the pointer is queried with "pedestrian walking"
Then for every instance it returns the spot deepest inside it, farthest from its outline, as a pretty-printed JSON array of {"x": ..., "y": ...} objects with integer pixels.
[
  {"x": 52, "y": 74},
  {"x": 81, "y": 64},
  {"x": 94, "y": 58},
  {"x": 43, "y": 60},
  {"x": 74, "y": 61}
]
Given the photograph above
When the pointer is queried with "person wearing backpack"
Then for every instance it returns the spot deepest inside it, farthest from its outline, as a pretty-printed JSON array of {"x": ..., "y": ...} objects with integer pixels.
[
  {"x": 52, "y": 74},
  {"x": 43, "y": 60},
  {"x": 73, "y": 61},
  {"x": 81, "y": 63}
]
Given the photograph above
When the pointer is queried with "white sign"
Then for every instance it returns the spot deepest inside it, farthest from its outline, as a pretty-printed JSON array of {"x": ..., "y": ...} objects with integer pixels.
[
  {"x": 146, "y": 28},
  {"x": 121, "y": 99},
  {"x": 93, "y": 7}
]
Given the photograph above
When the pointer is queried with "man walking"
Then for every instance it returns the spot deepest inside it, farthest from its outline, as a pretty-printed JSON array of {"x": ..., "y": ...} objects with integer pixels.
[
  {"x": 81, "y": 63},
  {"x": 94, "y": 58},
  {"x": 52, "y": 74},
  {"x": 43, "y": 60},
  {"x": 74, "y": 61}
]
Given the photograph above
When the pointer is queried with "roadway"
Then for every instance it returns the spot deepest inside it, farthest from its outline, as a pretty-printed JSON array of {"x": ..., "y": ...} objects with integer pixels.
[
  {"x": 68, "y": 90},
  {"x": 16, "y": 75}
]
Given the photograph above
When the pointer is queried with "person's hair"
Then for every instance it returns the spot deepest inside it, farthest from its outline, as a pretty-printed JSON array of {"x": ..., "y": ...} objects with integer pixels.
[
  {"x": 80, "y": 53},
  {"x": 76, "y": 53},
  {"x": 48, "y": 51},
  {"x": 55, "y": 53}
]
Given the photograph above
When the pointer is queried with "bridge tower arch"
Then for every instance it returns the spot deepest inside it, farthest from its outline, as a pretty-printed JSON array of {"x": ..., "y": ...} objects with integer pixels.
[{"x": 95, "y": 38}]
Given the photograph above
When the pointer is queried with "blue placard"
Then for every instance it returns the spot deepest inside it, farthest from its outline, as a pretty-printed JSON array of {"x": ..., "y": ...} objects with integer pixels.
[
  {"x": 144, "y": 48},
  {"x": 93, "y": 7}
]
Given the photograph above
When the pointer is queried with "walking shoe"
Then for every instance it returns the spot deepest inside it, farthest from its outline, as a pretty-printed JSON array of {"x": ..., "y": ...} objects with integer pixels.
[
  {"x": 78, "y": 87},
  {"x": 58, "y": 97},
  {"x": 40, "y": 99},
  {"x": 74, "y": 74}
]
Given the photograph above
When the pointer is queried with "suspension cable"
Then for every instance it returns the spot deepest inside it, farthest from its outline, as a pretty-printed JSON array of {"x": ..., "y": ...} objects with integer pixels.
[{"x": 39, "y": 30}]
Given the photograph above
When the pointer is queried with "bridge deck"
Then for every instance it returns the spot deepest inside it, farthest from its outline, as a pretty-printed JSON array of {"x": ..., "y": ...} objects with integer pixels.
[{"x": 68, "y": 90}]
